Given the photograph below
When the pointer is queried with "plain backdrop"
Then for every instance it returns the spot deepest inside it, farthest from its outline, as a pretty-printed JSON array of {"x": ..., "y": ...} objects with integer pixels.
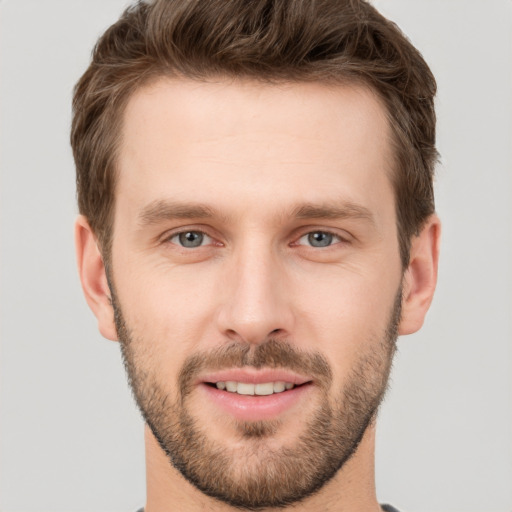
[{"x": 70, "y": 436}]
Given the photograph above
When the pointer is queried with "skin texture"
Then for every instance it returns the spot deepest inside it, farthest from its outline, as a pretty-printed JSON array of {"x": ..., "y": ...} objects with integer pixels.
[{"x": 258, "y": 169}]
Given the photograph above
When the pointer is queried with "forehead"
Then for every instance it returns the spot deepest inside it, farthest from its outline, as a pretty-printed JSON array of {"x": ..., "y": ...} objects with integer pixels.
[{"x": 225, "y": 143}]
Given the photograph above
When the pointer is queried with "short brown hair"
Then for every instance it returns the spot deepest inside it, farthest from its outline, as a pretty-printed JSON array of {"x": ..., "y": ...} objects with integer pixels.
[{"x": 268, "y": 40}]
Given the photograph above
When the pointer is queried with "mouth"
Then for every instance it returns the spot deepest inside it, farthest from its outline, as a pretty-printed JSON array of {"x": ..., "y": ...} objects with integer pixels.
[
  {"x": 254, "y": 395},
  {"x": 251, "y": 389}
]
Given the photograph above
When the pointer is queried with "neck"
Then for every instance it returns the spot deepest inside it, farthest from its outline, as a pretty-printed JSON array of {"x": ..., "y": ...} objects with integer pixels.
[{"x": 352, "y": 488}]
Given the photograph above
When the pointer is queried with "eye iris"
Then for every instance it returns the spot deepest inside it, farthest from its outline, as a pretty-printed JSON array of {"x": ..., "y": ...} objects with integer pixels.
[
  {"x": 191, "y": 239},
  {"x": 320, "y": 239}
]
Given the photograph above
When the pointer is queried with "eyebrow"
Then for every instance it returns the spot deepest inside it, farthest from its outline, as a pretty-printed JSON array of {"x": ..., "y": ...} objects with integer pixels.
[
  {"x": 341, "y": 210},
  {"x": 163, "y": 210}
]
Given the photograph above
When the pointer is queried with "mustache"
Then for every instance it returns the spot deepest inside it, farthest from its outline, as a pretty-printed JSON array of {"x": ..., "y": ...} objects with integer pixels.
[{"x": 270, "y": 354}]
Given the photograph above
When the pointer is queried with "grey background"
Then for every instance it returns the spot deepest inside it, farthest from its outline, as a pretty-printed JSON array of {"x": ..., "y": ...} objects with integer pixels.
[{"x": 70, "y": 436}]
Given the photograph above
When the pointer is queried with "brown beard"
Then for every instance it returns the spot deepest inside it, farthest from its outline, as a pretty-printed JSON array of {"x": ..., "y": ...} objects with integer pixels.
[{"x": 256, "y": 476}]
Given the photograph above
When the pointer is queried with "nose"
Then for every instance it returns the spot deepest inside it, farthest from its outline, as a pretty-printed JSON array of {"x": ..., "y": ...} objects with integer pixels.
[{"x": 256, "y": 299}]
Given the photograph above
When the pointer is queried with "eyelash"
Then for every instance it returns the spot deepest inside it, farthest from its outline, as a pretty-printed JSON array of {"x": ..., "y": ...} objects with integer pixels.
[
  {"x": 186, "y": 232},
  {"x": 330, "y": 234},
  {"x": 334, "y": 236}
]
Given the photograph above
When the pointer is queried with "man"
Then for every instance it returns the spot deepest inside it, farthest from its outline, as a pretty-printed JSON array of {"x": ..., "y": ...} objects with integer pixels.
[{"x": 257, "y": 227}]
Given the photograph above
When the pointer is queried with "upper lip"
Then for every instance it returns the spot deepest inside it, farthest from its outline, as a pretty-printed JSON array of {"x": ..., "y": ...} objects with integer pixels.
[{"x": 254, "y": 376}]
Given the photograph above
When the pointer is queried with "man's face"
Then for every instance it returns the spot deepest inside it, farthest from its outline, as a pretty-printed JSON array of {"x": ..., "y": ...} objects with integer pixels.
[{"x": 255, "y": 249}]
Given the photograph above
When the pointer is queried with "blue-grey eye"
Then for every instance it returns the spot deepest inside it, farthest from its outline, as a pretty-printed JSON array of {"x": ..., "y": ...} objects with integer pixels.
[
  {"x": 190, "y": 239},
  {"x": 319, "y": 239}
]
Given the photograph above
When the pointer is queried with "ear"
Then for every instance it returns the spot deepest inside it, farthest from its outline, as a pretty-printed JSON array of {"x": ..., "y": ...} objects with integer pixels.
[
  {"x": 420, "y": 278},
  {"x": 93, "y": 278}
]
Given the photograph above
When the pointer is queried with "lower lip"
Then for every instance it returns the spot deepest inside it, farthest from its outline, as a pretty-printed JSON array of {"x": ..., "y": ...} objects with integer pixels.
[{"x": 254, "y": 407}]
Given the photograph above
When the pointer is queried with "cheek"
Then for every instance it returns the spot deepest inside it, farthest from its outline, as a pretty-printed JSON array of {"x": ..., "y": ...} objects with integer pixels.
[
  {"x": 346, "y": 316},
  {"x": 168, "y": 314},
  {"x": 158, "y": 294},
  {"x": 346, "y": 299}
]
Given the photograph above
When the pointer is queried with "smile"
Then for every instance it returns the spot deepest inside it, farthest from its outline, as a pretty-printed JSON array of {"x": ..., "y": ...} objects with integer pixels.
[
  {"x": 261, "y": 389},
  {"x": 250, "y": 394}
]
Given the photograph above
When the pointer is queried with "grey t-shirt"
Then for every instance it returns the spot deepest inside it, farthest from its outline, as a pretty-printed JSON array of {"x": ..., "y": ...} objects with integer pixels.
[
  {"x": 388, "y": 508},
  {"x": 385, "y": 508}
]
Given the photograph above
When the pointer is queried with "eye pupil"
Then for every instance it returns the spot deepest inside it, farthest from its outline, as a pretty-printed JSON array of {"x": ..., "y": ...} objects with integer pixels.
[
  {"x": 320, "y": 239},
  {"x": 191, "y": 239}
]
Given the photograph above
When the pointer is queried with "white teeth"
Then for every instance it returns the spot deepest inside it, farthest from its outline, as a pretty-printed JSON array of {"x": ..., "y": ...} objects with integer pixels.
[
  {"x": 279, "y": 387},
  {"x": 245, "y": 388},
  {"x": 231, "y": 386},
  {"x": 262, "y": 389}
]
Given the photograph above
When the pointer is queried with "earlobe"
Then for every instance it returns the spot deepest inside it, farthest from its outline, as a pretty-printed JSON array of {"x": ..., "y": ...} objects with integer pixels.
[
  {"x": 420, "y": 277},
  {"x": 93, "y": 277}
]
